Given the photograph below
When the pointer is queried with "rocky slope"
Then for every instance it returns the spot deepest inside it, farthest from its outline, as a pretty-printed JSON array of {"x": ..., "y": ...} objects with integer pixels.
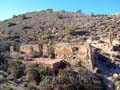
[{"x": 59, "y": 26}]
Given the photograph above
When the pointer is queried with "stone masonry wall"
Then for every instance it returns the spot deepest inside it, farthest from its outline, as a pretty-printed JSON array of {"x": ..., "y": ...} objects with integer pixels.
[
  {"x": 28, "y": 49},
  {"x": 64, "y": 51},
  {"x": 85, "y": 55}
]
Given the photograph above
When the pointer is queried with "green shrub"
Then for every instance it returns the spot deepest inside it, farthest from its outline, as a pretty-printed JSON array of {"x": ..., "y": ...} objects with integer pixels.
[
  {"x": 50, "y": 10},
  {"x": 37, "y": 73},
  {"x": 78, "y": 80},
  {"x": 59, "y": 16},
  {"x": 71, "y": 87},
  {"x": 45, "y": 41},
  {"x": 31, "y": 87},
  {"x": 9, "y": 24},
  {"x": 43, "y": 71},
  {"x": 47, "y": 80},
  {"x": 45, "y": 35},
  {"x": 8, "y": 86},
  {"x": 5, "y": 45},
  {"x": 36, "y": 54},
  {"x": 14, "y": 16},
  {"x": 22, "y": 27},
  {"x": 3, "y": 61},
  {"x": 23, "y": 17},
  {"x": 33, "y": 74},
  {"x": 16, "y": 68},
  {"x": 68, "y": 29}
]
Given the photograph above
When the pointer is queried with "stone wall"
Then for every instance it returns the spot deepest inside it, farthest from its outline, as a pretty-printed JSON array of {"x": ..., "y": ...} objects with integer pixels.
[
  {"x": 28, "y": 49},
  {"x": 85, "y": 55},
  {"x": 73, "y": 53}
]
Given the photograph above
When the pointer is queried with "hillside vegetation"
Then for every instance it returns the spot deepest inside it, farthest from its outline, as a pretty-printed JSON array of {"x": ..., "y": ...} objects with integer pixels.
[{"x": 58, "y": 26}]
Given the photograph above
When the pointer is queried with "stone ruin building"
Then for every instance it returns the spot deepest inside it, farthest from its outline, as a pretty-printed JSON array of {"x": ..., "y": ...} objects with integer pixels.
[
  {"x": 109, "y": 45},
  {"x": 71, "y": 53}
]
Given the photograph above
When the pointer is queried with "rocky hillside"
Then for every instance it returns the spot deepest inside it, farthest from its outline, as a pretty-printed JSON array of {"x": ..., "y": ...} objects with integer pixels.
[{"x": 58, "y": 26}]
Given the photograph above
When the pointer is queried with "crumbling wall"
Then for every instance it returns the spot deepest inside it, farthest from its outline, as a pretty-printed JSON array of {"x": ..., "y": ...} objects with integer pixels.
[
  {"x": 28, "y": 49},
  {"x": 45, "y": 49},
  {"x": 85, "y": 55},
  {"x": 65, "y": 51}
]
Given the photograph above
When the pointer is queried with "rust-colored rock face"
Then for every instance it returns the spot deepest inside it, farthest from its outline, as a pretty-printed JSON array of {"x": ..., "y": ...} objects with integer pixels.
[{"x": 28, "y": 49}]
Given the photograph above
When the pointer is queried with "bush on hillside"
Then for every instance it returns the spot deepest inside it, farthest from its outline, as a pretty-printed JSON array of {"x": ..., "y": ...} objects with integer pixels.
[
  {"x": 69, "y": 30},
  {"x": 72, "y": 79},
  {"x": 9, "y": 24},
  {"x": 3, "y": 61},
  {"x": 16, "y": 69},
  {"x": 45, "y": 35},
  {"x": 23, "y": 17}
]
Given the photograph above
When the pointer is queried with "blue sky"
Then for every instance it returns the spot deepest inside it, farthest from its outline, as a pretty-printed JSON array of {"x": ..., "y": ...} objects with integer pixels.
[{"x": 8, "y": 8}]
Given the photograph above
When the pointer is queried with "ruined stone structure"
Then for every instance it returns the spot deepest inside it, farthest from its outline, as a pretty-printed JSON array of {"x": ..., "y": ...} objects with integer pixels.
[
  {"x": 52, "y": 64},
  {"x": 72, "y": 53},
  {"x": 108, "y": 45},
  {"x": 28, "y": 49}
]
